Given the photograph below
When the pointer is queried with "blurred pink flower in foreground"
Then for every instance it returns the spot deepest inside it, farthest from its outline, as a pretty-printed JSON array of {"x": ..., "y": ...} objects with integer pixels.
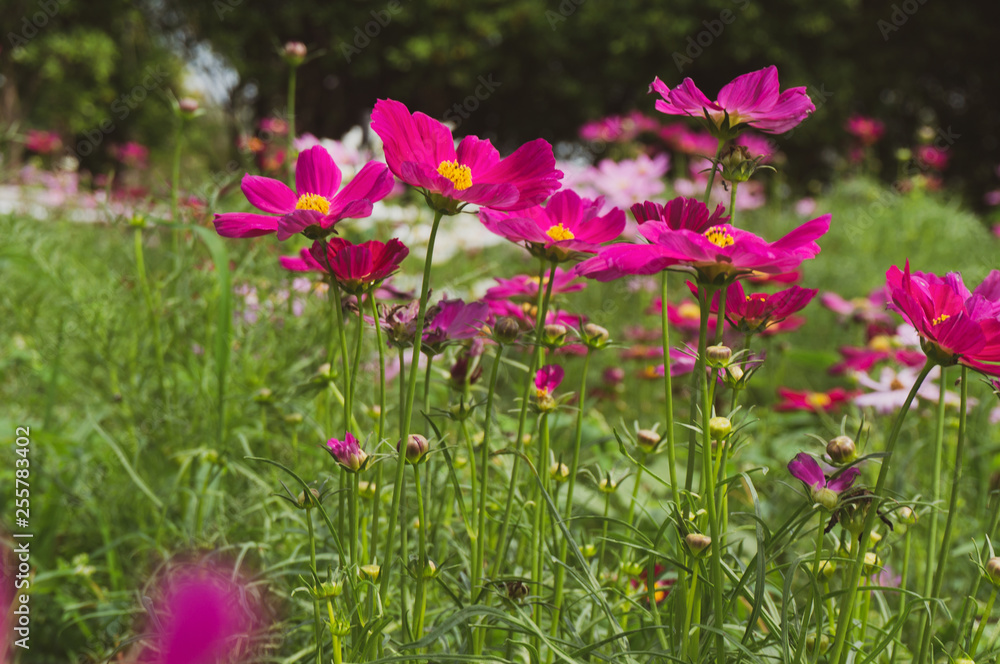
[
  {"x": 42, "y": 142},
  {"x": 203, "y": 616}
]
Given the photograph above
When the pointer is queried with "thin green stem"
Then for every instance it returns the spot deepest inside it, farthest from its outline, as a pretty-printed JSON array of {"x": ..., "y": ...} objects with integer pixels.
[
  {"x": 154, "y": 319},
  {"x": 732, "y": 203},
  {"x": 668, "y": 390},
  {"x": 421, "y": 599},
  {"x": 987, "y": 612},
  {"x": 406, "y": 413},
  {"x": 538, "y": 543},
  {"x": 847, "y": 602},
  {"x": 376, "y": 503},
  {"x": 935, "y": 512},
  {"x": 944, "y": 551},
  {"x": 317, "y": 621},
  {"x": 529, "y": 383},
  {"x": 711, "y": 173}
]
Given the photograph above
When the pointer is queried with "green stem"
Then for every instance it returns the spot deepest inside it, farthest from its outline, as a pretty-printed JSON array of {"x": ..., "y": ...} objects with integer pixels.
[
  {"x": 902, "y": 586},
  {"x": 538, "y": 532},
  {"x": 421, "y": 598},
  {"x": 708, "y": 480},
  {"x": 987, "y": 612},
  {"x": 847, "y": 602},
  {"x": 711, "y": 174},
  {"x": 353, "y": 515},
  {"x": 376, "y": 503},
  {"x": 339, "y": 312},
  {"x": 956, "y": 481},
  {"x": 668, "y": 391},
  {"x": 154, "y": 319},
  {"x": 935, "y": 513},
  {"x": 529, "y": 383},
  {"x": 732, "y": 204},
  {"x": 479, "y": 551},
  {"x": 406, "y": 413},
  {"x": 568, "y": 510},
  {"x": 317, "y": 621},
  {"x": 689, "y": 610}
]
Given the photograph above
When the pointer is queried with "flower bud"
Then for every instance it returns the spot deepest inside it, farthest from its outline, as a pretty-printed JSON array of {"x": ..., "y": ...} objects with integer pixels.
[
  {"x": 824, "y": 642},
  {"x": 993, "y": 570},
  {"x": 366, "y": 489},
  {"x": 430, "y": 569},
  {"x": 607, "y": 485},
  {"x": 330, "y": 589},
  {"x": 559, "y": 472},
  {"x": 647, "y": 439},
  {"x": 719, "y": 428},
  {"x": 294, "y": 53},
  {"x": 828, "y": 498},
  {"x": 263, "y": 395},
  {"x": 595, "y": 336},
  {"x": 340, "y": 627},
  {"x": 826, "y": 568},
  {"x": 370, "y": 572},
  {"x": 842, "y": 450},
  {"x": 738, "y": 165},
  {"x": 632, "y": 568},
  {"x": 554, "y": 334},
  {"x": 872, "y": 562},
  {"x": 516, "y": 590},
  {"x": 506, "y": 330},
  {"x": 293, "y": 419},
  {"x": 416, "y": 448},
  {"x": 734, "y": 376},
  {"x": 311, "y": 501},
  {"x": 718, "y": 356},
  {"x": 588, "y": 550},
  {"x": 188, "y": 106},
  {"x": 698, "y": 543}
]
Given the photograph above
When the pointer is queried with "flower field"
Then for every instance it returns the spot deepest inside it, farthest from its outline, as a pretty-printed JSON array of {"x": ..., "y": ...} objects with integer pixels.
[{"x": 405, "y": 397}]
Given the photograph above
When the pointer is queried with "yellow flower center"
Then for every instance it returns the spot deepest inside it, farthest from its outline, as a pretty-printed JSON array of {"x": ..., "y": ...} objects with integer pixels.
[
  {"x": 896, "y": 384},
  {"x": 689, "y": 311},
  {"x": 541, "y": 393},
  {"x": 758, "y": 297},
  {"x": 880, "y": 342},
  {"x": 559, "y": 233},
  {"x": 818, "y": 400},
  {"x": 459, "y": 174},
  {"x": 940, "y": 319},
  {"x": 313, "y": 202},
  {"x": 719, "y": 236}
]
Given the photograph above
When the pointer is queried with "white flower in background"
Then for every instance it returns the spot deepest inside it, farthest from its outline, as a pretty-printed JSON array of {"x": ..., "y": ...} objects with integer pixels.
[{"x": 888, "y": 393}]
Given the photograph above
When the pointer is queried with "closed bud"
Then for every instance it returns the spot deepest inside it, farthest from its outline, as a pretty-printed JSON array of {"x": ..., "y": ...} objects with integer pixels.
[
  {"x": 993, "y": 570},
  {"x": 734, "y": 376},
  {"x": 607, "y": 485},
  {"x": 188, "y": 106},
  {"x": 632, "y": 568},
  {"x": 263, "y": 395},
  {"x": 311, "y": 501},
  {"x": 330, "y": 589},
  {"x": 430, "y": 569},
  {"x": 554, "y": 334},
  {"x": 294, "y": 53},
  {"x": 595, "y": 336},
  {"x": 698, "y": 543},
  {"x": 506, "y": 330},
  {"x": 718, "y": 356},
  {"x": 826, "y": 568},
  {"x": 416, "y": 448},
  {"x": 907, "y": 516},
  {"x": 293, "y": 419},
  {"x": 559, "y": 472},
  {"x": 366, "y": 489},
  {"x": 588, "y": 550},
  {"x": 823, "y": 642},
  {"x": 719, "y": 428},
  {"x": 647, "y": 439},
  {"x": 872, "y": 562},
  {"x": 828, "y": 498},
  {"x": 370, "y": 572},
  {"x": 842, "y": 450}
]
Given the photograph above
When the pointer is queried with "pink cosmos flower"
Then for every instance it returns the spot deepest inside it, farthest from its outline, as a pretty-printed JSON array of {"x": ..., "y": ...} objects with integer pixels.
[
  {"x": 453, "y": 320},
  {"x": 869, "y": 309},
  {"x": 823, "y": 488},
  {"x": 932, "y": 157},
  {"x": 780, "y": 278},
  {"x": 679, "y": 137},
  {"x": 564, "y": 228},
  {"x": 755, "y": 313},
  {"x": 547, "y": 379},
  {"x": 618, "y": 128},
  {"x": 525, "y": 288},
  {"x": 347, "y": 452},
  {"x": 865, "y": 129},
  {"x": 354, "y": 266},
  {"x": 314, "y": 207},
  {"x": 955, "y": 326},
  {"x": 812, "y": 401},
  {"x": 525, "y": 314},
  {"x": 421, "y": 152},
  {"x": 720, "y": 253},
  {"x": 627, "y": 181},
  {"x": 203, "y": 617},
  {"x": 685, "y": 316},
  {"x": 758, "y": 146},
  {"x": 899, "y": 348},
  {"x": 752, "y": 99},
  {"x": 42, "y": 142}
]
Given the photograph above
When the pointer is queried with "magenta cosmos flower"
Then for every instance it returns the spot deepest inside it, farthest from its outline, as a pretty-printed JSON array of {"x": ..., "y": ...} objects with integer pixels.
[
  {"x": 718, "y": 254},
  {"x": 756, "y": 312},
  {"x": 812, "y": 401},
  {"x": 955, "y": 326},
  {"x": 865, "y": 129},
  {"x": 204, "y": 616},
  {"x": 354, "y": 266},
  {"x": 453, "y": 320},
  {"x": 421, "y": 152},
  {"x": 565, "y": 227},
  {"x": 752, "y": 99},
  {"x": 347, "y": 452},
  {"x": 547, "y": 379},
  {"x": 823, "y": 489},
  {"x": 315, "y": 205},
  {"x": 525, "y": 287}
]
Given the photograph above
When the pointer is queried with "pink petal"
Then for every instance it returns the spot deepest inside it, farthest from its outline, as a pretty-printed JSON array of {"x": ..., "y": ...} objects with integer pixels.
[
  {"x": 414, "y": 138},
  {"x": 751, "y": 92},
  {"x": 805, "y": 468},
  {"x": 268, "y": 194},
  {"x": 243, "y": 224},
  {"x": 315, "y": 173},
  {"x": 297, "y": 221},
  {"x": 532, "y": 169}
]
